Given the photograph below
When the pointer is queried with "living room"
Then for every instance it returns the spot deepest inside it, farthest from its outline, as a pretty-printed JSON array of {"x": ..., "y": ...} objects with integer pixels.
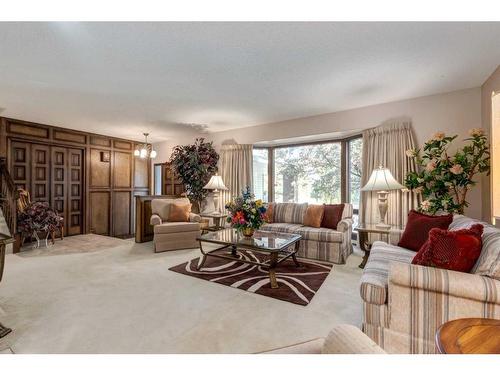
[{"x": 165, "y": 186}]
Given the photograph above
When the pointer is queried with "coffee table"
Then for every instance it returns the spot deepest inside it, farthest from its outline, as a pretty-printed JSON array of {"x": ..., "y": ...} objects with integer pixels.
[{"x": 276, "y": 246}]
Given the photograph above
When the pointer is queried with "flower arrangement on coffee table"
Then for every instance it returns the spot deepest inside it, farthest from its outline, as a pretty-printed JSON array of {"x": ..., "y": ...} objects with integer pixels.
[
  {"x": 245, "y": 213},
  {"x": 444, "y": 179}
]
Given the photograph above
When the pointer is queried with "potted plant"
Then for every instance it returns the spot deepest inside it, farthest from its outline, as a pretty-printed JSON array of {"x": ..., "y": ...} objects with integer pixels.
[
  {"x": 443, "y": 180},
  {"x": 245, "y": 213},
  {"x": 36, "y": 218},
  {"x": 195, "y": 164}
]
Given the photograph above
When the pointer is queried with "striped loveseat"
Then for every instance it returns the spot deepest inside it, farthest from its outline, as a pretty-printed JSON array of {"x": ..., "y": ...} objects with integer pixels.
[
  {"x": 404, "y": 304},
  {"x": 329, "y": 245}
]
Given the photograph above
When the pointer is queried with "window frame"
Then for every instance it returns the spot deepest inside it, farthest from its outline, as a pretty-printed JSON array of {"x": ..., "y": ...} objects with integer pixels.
[{"x": 344, "y": 168}]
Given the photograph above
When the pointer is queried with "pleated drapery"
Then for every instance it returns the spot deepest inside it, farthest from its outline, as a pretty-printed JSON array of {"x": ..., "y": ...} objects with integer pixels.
[
  {"x": 386, "y": 145},
  {"x": 236, "y": 170}
]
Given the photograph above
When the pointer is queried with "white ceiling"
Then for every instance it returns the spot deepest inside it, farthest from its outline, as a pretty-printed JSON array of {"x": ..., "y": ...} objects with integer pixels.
[{"x": 170, "y": 78}]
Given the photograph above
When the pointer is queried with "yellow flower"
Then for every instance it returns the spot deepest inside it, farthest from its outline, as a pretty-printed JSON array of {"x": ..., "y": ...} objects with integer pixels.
[{"x": 258, "y": 202}]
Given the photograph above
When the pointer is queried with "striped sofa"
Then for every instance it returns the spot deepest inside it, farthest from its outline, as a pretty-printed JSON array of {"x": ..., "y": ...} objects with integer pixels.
[
  {"x": 404, "y": 304},
  {"x": 329, "y": 245}
]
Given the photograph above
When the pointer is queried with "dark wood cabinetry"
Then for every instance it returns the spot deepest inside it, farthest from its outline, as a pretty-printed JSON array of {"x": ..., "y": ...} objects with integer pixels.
[{"x": 90, "y": 179}]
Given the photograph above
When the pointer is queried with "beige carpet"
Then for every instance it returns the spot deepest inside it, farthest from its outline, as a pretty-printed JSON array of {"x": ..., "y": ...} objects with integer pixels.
[{"x": 93, "y": 294}]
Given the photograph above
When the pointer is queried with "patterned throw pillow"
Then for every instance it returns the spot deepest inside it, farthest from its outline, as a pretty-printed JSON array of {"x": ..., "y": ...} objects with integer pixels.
[
  {"x": 332, "y": 215},
  {"x": 456, "y": 250},
  {"x": 418, "y": 227}
]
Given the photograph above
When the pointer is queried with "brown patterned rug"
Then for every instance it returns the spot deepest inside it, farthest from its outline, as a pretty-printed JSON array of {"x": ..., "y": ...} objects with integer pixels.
[{"x": 296, "y": 284}]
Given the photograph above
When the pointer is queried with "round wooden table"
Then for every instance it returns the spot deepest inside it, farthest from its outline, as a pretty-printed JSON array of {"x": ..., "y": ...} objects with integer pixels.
[{"x": 469, "y": 336}]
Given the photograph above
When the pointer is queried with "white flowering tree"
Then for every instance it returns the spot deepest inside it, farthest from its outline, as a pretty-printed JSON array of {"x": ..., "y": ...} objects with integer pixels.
[{"x": 444, "y": 180}]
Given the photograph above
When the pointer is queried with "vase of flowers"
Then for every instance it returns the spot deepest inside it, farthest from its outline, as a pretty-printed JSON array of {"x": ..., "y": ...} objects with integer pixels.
[
  {"x": 245, "y": 213},
  {"x": 443, "y": 180}
]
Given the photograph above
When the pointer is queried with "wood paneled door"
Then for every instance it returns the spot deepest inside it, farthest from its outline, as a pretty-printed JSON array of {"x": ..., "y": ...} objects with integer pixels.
[{"x": 52, "y": 174}]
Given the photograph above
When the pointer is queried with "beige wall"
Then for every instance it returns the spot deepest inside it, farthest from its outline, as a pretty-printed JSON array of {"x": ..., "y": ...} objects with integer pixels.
[
  {"x": 453, "y": 113},
  {"x": 492, "y": 84}
]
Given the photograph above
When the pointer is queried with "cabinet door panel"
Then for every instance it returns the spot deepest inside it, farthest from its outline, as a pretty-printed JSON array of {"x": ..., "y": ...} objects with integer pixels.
[
  {"x": 99, "y": 212},
  {"x": 20, "y": 155},
  {"x": 74, "y": 194},
  {"x": 40, "y": 173},
  {"x": 121, "y": 213}
]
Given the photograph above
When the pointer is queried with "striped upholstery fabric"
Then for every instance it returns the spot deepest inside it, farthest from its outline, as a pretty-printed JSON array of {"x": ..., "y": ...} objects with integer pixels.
[
  {"x": 280, "y": 227},
  {"x": 488, "y": 263},
  {"x": 320, "y": 234},
  {"x": 292, "y": 213},
  {"x": 332, "y": 252},
  {"x": 377, "y": 315},
  {"x": 328, "y": 245},
  {"x": 348, "y": 339},
  {"x": 404, "y": 304},
  {"x": 374, "y": 280}
]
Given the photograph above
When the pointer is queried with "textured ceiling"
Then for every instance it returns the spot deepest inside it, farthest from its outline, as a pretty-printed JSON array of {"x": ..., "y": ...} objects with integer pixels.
[{"x": 170, "y": 78}]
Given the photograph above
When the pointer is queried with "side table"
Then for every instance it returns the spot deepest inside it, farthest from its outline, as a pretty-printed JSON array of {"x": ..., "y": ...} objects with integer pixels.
[
  {"x": 469, "y": 336},
  {"x": 218, "y": 219},
  {"x": 363, "y": 231}
]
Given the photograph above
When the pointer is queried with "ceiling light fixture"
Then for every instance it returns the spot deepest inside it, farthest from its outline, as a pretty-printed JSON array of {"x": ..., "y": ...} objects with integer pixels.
[{"x": 145, "y": 150}]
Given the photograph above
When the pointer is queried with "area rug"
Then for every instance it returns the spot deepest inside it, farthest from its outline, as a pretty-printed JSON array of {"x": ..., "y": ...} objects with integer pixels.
[{"x": 296, "y": 284}]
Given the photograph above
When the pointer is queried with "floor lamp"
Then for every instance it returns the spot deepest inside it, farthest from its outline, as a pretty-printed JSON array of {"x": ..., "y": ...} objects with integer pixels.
[{"x": 381, "y": 181}]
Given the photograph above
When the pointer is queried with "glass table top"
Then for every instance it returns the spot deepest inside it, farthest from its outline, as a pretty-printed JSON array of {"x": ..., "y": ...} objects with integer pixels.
[{"x": 263, "y": 240}]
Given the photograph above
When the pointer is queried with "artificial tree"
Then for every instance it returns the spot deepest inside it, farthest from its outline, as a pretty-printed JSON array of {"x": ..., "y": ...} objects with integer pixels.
[
  {"x": 443, "y": 179},
  {"x": 195, "y": 164}
]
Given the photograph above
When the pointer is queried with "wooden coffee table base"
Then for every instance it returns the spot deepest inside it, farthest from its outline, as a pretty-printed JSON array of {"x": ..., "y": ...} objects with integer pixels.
[{"x": 469, "y": 336}]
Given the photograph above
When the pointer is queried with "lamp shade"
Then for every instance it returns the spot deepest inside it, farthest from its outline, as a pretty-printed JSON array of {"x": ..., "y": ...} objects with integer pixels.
[
  {"x": 215, "y": 183},
  {"x": 381, "y": 179}
]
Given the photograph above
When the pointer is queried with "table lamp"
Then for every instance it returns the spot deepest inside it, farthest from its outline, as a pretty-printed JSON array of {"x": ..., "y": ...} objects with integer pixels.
[
  {"x": 215, "y": 184},
  {"x": 381, "y": 181}
]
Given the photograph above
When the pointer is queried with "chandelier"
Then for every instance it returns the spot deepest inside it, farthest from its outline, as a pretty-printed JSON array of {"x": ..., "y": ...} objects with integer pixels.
[{"x": 145, "y": 150}]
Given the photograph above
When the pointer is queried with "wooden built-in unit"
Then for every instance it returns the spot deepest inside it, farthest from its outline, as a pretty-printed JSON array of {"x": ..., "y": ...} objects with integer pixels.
[{"x": 90, "y": 179}]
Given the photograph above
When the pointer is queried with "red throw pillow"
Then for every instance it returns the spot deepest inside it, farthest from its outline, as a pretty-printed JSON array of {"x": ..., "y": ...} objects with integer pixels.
[
  {"x": 332, "y": 215},
  {"x": 418, "y": 227},
  {"x": 456, "y": 250}
]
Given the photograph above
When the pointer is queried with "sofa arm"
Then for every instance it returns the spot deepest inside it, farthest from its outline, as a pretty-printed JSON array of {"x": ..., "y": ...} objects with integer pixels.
[
  {"x": 344, "y": 225},
  {"x": 395, "y": 236},
  {"x": 155, "y": 220},
  {"x": 194, "y": 218},
  {"x": 348, "y": 339},
  {"x": 453, "y": 283}
]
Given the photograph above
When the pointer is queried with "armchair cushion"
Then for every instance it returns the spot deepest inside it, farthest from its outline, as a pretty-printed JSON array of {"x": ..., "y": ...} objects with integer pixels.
[{"x": 176, "y": 227}]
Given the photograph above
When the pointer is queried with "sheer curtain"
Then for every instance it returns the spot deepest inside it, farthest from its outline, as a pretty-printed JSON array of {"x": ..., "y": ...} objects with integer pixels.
[
  {"x": 236, "y": 170},
  {"x": 386, "y": 145}
]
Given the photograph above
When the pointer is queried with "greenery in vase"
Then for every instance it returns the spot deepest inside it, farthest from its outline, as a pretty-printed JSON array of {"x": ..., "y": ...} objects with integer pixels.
[
  {"x": 195, "y": 164},
  {"x": 245, "y": 211},
  {"x": 443, "y": 180}
]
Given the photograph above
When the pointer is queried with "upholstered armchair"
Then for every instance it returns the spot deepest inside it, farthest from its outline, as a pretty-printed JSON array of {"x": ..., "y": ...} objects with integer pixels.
[{"x": 173, "y": 235}]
